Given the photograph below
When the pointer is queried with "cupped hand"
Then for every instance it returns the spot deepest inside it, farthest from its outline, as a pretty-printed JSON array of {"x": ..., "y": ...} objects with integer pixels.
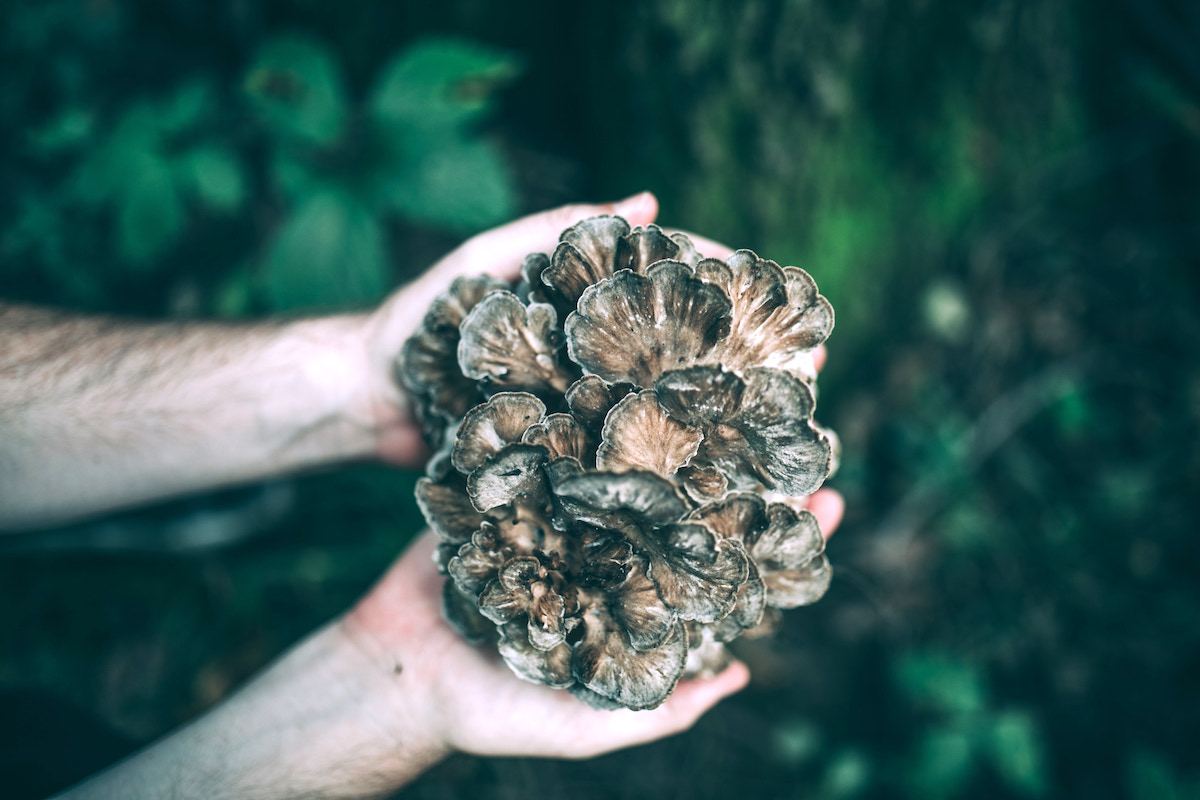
[{"x": 471, "y": 701}]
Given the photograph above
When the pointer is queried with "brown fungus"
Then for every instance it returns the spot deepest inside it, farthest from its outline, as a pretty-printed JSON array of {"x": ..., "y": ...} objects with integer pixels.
[
  {"x": 757, "y": 430},
  {"x": 623, "y": 440},
  {"x": 633, "y": 327}
]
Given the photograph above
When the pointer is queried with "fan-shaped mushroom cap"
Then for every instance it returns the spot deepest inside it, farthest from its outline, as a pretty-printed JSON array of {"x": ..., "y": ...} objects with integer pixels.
[
  {"x": 448, "y": 510},
  {"x": 632, "y": 328},
  {"x": 611, "y": 500},
  {"x": 605, "y": 663},
  {"x": 550, "y": 667},
  {"x": 697, "y": 574},
  {"x": 767, "y": 438},
  {"x": 586, "y": 254},
  {"x": 637, "y": 607},
  {"x": 478, "y": 561},
  {"x": 428, "y": 363},
  {"x": 785, "y": 544},
  {"x": 523, "y": 587},
  {"x": 489, "y": 428},
  {"x": 777, "y": 316},
  {"x": 512, "y": 475},
  {"x": 639, "y": 434},
  {"x": 531, "y": 289},
  {"x": 641, "y": 247},
  {"x": 509, "y": 345},
  {"x": 562, "y": 436},
  {"x": 749, "y": 605},
  {"x": 703, "y": 482},
  {"x": 591, "y": 398},
  {"x": 687, "y": 250}
]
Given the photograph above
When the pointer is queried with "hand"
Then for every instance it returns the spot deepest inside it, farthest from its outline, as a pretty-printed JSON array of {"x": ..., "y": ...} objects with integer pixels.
[
  {"x": 498, "y": 252},
  {"x": 467, "y": 699}
]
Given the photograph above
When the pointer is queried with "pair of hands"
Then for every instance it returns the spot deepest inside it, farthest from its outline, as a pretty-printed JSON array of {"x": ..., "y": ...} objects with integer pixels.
[
  {"x": 366, "y": 703},
  {"x": 478, "y": 704}
]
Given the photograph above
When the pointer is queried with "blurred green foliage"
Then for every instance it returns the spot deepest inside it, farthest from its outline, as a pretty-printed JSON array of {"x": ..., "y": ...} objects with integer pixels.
[
  {"x": 1000, "y": 198},
  {"x": 331, "y": 165}
]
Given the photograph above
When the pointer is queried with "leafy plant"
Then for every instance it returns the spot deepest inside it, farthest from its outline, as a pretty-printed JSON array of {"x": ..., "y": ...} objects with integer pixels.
[{"x": 308, "y": 172}]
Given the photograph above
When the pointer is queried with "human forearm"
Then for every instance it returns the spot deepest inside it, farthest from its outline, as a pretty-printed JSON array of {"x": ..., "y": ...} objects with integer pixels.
[
  {"x": 98, "y": 413},
  {"x": 332, "y": 719}
]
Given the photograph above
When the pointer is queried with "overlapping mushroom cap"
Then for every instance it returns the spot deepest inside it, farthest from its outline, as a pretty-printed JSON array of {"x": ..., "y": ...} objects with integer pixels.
[{"x": 609, "y": 431}]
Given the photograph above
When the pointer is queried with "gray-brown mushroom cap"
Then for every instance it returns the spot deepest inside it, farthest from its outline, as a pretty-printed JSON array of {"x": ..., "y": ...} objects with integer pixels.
[
  {"x": 562, "y": 436},
  {"x": 591, "y": 398},
  {"x": 639, "y": 679},
  {"x": 490, "y": 427},
  {"x": 697, "y": 574},
  {"x": 639, "y": 434},
  {"x": 586, "y": 254},
  {"x": 786, "y": 546},
  {"x": 428, "y": 362},
  {"x": 524, "y": 588},
  {"x": 603, "y": 499},
  {"x": 777, "y": 316},
  {"x": 550, "y": 667},
  {"x": 448, "y": 510},
  {"x": 513, "y": 475},
  {"x": 632, "y": 328},
  {"x": 511, "y": 346},
  {"x": 757, "y": 429}
]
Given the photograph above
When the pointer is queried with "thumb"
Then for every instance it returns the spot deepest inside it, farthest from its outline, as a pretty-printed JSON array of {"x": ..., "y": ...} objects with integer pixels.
[{"x": 500, "y": 251}]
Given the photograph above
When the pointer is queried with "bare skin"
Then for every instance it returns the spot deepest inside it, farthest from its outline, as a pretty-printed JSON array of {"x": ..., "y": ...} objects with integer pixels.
[{"x": 98, "y": 414}]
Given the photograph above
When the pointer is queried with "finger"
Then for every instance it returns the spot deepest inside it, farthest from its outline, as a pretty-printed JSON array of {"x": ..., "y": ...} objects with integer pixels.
[
  {"x": 819, "y": 356},
  {"x": 828, "y": 507},
  {"x": 499, "y": 252},
  {"x": 706, "y": 247},
  {"x": 690, "y": 700}
]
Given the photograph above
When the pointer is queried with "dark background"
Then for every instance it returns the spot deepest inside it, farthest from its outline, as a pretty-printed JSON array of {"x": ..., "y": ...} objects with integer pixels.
[{"x": 1000, "y": 198}]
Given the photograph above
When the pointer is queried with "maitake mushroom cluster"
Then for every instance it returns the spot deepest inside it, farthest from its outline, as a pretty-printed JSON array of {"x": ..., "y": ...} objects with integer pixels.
[{"x": 624, "y": 440}]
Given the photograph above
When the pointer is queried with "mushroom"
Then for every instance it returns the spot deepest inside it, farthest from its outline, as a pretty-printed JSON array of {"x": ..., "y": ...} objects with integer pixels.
[
  {"x": 786, "y": 545},
  {"x": 777, "y": 316},
  {"x": 428, "y": 363},
  {"x": 508, "y": 345},
  {"x": 634, "y": 327},
  {"x": 758, "y": 430},
  {"x": 697, "y": 574},
  {"x": 613, "y": 512}
]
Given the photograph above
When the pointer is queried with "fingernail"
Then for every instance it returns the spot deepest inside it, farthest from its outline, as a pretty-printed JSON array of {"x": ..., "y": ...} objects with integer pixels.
[{"x": 634, "y": 202}]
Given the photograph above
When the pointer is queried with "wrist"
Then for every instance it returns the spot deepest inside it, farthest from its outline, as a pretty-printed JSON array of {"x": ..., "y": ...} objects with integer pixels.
[{"x": 326, "y": 721}]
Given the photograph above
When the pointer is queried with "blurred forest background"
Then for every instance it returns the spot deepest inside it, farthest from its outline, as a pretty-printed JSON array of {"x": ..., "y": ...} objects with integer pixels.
[{"x": 1001, "y": 199}]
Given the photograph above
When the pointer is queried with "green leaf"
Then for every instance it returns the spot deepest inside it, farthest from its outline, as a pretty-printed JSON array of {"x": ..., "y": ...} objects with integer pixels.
[
  {"x": 150, "y": 214},
  {"x": 330, "y": 253},
  {"x": 186, "y": 107},
  {"x": 294, "y": 177},
  {"x": 214, "y": 176},
  {"x": 296, "y": 88},
  {"x": 463, "y": 186},
  {"x": 1018, "y": 753},
  {"x": 107, "y": 171},
  {"x": 441, "y": 83},
  {"x": 941, "y": 682},
  {"x": 68, "y": 130},
  {"x": 941, "y": 765}
]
